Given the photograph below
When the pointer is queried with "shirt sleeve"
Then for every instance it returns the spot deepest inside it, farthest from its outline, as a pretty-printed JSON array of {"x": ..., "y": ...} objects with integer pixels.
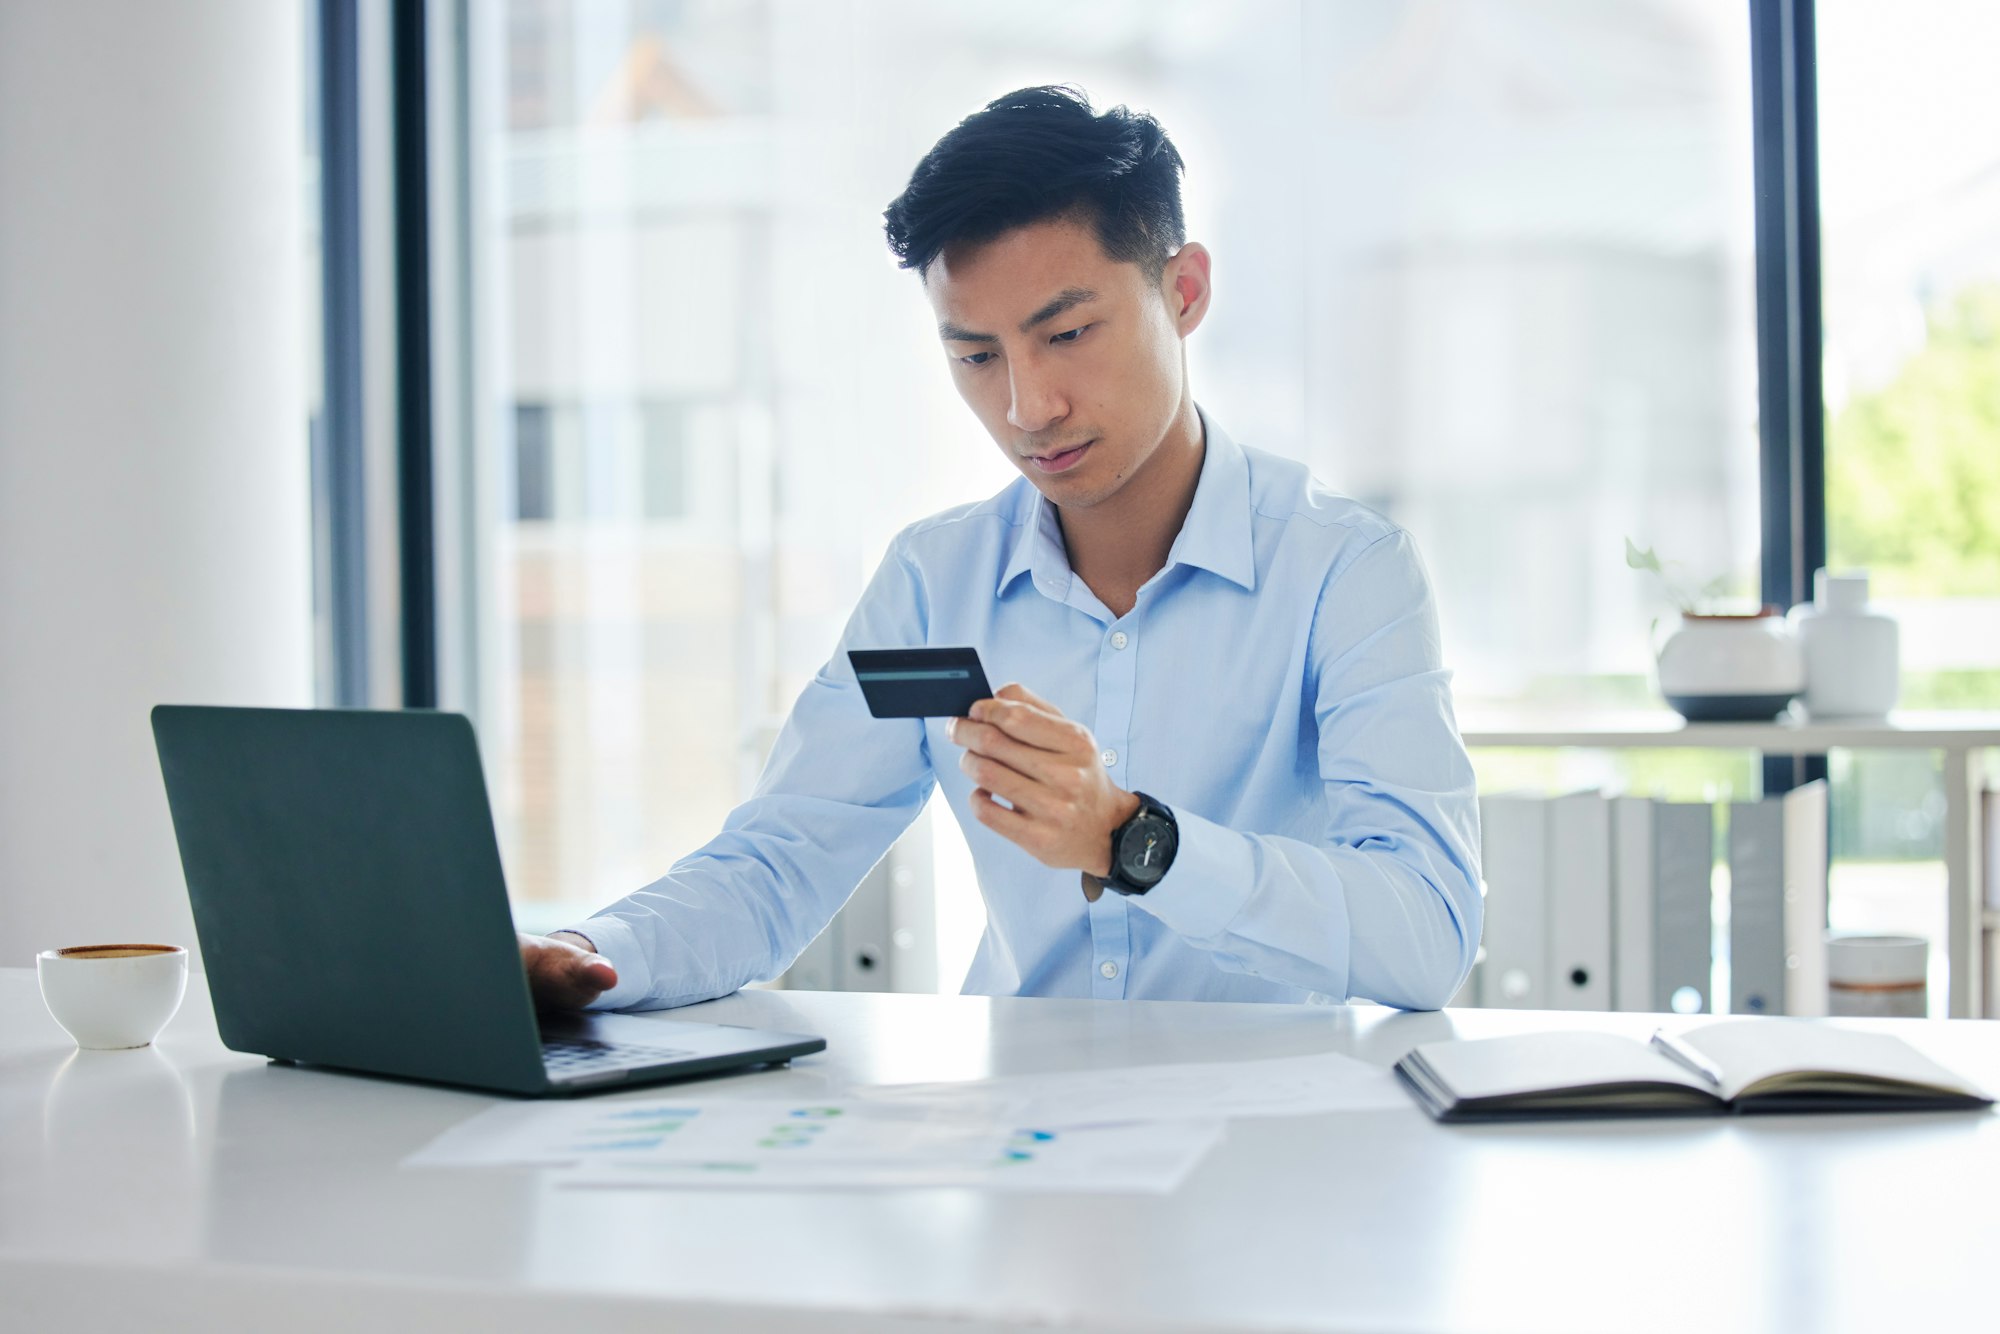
[
  {"x": 1386, "y": 904},
  {"x": 838, "y": 789}
]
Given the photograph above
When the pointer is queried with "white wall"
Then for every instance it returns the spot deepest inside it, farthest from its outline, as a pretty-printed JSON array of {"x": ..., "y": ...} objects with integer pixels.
[{"x": 154, "y": 491}]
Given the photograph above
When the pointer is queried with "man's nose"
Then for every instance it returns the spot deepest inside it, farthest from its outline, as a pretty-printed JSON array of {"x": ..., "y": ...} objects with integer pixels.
[{"x": 1037, "y": 403}]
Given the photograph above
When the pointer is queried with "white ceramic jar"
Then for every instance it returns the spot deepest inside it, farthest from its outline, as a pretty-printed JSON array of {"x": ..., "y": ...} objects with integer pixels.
[
  {"x": 1878, "y": 977},
  {"x": 1852, "y": 654},
  {"x": 1731, "y": 668}
]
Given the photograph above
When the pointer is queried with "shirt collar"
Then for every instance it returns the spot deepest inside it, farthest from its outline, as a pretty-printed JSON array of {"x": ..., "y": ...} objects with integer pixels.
[{"x": 1215, "y": 536}]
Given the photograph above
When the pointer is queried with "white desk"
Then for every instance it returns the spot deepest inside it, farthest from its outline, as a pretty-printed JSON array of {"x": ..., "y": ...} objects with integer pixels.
[
  {"x": 233, "y": 1195},
  {"x": 1961, "y": 737}
]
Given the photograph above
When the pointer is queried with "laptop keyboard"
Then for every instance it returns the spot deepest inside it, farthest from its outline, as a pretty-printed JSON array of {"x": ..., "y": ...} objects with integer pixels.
[{"x": 566, "y": 1058}]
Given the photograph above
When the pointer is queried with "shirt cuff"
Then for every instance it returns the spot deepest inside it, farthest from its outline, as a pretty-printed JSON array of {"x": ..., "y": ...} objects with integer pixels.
[
  {"x": 614, "y": 940},
  {"x": 1208, "y": 884}
]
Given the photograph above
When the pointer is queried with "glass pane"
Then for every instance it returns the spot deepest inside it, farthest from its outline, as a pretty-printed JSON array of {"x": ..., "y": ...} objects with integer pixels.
[
  {"x": 312, "y": 267},
  {"x": 1910, "y": 207},
  {"x": 1486, "y": 266},
  {"x": 1529, "y": 331},
  {"x": 624, "y": 203},
  {"x": 1910, "y": 212}
]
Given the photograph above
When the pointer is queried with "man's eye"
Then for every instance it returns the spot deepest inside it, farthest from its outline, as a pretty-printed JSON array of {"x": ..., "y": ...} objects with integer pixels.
[
  {"x": 976, "y": 359},
  {"x": 1070, "y": 337}
]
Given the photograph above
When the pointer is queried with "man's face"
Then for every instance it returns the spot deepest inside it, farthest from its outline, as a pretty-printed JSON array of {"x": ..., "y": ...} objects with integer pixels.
[{"x": 1071, "y": 360}]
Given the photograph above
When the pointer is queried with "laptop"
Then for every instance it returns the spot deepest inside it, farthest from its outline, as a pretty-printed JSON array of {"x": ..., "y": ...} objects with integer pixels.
[{"x": 352, "y": 913}]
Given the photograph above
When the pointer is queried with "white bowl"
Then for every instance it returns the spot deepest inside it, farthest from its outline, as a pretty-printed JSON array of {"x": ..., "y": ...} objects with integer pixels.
[{"x": 107, "y": 997}]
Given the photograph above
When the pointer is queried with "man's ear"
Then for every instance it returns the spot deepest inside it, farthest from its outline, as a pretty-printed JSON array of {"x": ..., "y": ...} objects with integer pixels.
[{"x": 1185, "y": 285}]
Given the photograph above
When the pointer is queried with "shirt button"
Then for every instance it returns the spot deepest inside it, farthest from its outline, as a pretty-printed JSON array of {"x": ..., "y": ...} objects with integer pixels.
[
  {"x": 1108, "y": 968},
  {"x": 1118, "y": 639},
  {"x": 1110, "y": 757}
]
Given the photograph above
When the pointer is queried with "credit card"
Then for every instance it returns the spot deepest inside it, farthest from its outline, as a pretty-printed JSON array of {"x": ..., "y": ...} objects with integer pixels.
[{"x": 920, "y": 682}]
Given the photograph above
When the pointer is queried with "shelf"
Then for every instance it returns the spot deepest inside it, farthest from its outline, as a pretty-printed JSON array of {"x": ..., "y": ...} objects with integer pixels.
[
  {"x": 1963, "y": 737},
  {"x": 1659, "y": 728}
]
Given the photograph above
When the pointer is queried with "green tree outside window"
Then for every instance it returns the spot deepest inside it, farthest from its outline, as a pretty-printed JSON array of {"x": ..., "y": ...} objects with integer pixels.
[{"x": 1913, "y": 469}]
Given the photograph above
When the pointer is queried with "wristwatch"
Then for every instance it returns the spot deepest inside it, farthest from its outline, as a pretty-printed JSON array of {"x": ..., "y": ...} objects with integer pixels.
[{"x": 1142, "y": 849}]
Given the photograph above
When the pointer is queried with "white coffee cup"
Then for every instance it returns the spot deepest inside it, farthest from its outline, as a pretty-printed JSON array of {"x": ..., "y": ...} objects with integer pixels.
[{"x": 113, "y": 996}]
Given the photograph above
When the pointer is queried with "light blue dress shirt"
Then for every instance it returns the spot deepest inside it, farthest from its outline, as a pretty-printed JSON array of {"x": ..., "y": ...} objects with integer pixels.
[{"x": 1278, "y": 684}]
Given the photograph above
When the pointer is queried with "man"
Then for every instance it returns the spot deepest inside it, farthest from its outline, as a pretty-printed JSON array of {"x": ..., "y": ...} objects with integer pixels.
[{"x": 1236, "y": 775}]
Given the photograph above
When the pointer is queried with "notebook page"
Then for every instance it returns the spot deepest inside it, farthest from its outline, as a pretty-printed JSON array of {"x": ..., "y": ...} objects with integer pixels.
[
  {"x": 1541, "y": 1062},
  {"x": 1752, "y": 1050}
]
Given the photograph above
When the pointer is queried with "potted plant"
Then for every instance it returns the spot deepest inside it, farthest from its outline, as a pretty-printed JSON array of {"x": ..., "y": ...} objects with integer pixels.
[{"x": 1716, "y": 665}]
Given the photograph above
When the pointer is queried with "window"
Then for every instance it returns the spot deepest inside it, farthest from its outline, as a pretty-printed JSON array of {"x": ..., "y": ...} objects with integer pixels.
[
  {"x": 1486, "y": 266},
  {"x": 1910, "y": 216}
]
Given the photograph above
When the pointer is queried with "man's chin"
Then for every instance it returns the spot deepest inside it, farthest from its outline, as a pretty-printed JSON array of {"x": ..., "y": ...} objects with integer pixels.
[
  {"x": 1068, "y": 492},
  {"x": 1085, "y": 483}
]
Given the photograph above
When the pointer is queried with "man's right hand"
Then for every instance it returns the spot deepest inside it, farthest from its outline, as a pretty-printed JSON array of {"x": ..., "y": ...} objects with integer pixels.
[{"x": 564, "y": 973}]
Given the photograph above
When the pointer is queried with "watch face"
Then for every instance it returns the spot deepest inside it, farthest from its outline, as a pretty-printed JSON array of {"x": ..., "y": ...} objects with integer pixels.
[{"x": 1146, "y": 851}]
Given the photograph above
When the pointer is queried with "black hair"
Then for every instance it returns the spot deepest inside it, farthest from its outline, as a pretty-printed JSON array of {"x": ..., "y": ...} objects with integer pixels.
[{"x": 1037, "y": 154}]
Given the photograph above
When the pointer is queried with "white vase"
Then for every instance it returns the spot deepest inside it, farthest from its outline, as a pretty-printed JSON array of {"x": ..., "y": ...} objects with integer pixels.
[
  {"x": 1852, "y": 654},
  {"x": 1731, "y": 668}
]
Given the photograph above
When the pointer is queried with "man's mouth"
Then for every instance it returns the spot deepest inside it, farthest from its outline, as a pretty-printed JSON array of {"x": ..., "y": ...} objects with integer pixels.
[{"x": 1061, "y": 462}]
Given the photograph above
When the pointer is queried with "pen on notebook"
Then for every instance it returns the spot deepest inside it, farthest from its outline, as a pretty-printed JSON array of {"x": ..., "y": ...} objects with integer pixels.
[{"x": 1683, "y": 1055}]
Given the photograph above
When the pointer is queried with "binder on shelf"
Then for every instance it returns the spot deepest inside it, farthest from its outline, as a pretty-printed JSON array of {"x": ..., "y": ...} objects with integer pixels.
[
  {"x": 1989, "y": 801},
  {"x": 1514, "y": 856},
  {"x": 1807, "y": 850},
  {"x": 1662, "y": 856},
  {"x": 1684, "y": 917},
  {"x": 1579, "y": 905},
  {"x": 1777, "y": 903},
  {"x": 1596, "y": 903},
  {"x": 1632, "y": 905}
]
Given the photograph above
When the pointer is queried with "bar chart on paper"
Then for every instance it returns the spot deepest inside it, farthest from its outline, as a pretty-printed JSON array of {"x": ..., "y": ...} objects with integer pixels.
[{"x": 827, "y": 1144}]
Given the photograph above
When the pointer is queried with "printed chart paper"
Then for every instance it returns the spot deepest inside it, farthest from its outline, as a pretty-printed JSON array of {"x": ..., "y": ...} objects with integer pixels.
[
  {"x": 1142, "y": 1128},
  {"x": 720, "y": 1130},
  {"x": 1149, "y": 1157}
]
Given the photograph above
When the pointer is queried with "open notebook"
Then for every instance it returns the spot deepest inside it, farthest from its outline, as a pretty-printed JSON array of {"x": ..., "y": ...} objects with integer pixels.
[{"x": 1743, "y": 1065}]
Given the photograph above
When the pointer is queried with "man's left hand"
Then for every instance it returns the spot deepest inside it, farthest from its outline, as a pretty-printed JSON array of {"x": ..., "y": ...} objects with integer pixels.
[{"x": 1019, "y": 747}]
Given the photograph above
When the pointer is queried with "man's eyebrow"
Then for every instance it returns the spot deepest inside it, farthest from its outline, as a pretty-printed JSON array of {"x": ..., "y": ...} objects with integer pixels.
[
  {"x": 951, "y": 333},
  {"x": 1067, "y": 299},
  {"x": 1064, "y": 300}
]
